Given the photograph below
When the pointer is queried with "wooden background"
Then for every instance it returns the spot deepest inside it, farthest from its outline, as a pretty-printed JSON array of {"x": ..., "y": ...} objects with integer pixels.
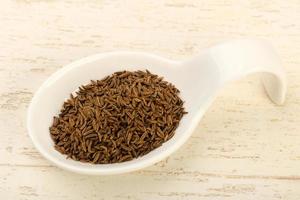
[{"x": 244, "y": 148}]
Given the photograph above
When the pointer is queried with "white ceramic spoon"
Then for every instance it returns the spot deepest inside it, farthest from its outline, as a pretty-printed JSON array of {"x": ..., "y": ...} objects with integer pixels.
[{"x": 198, "y": 79}]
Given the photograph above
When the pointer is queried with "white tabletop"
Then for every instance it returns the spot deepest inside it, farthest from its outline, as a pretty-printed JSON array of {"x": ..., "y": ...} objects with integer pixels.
[{"x": 244, "y": 148}]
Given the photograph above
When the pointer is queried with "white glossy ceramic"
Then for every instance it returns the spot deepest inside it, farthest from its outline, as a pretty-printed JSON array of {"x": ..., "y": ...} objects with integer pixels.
[{"x": 198, "y": 79}]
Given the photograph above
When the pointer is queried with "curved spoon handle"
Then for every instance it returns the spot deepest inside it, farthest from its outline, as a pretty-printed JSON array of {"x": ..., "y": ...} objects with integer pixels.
[{"x": 238, "y": 58}]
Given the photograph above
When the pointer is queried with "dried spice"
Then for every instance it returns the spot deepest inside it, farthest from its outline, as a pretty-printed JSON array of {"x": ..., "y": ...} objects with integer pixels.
[{"x": 118, "y": 118}]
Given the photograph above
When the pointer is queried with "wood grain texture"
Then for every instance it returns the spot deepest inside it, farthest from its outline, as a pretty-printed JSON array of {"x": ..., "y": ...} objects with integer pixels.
[{"x": 244, "y": 148}]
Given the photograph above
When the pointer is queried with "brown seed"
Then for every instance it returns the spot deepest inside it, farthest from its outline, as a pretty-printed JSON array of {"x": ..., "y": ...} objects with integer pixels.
[
  {"x": 118, "y": 118},
  {"x": 96, "y": 157},
  {"x": 125, "y": 158}
]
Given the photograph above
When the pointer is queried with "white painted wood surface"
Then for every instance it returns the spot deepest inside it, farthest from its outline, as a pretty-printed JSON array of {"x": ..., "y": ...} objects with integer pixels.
[{"x": 244, "y": 148}]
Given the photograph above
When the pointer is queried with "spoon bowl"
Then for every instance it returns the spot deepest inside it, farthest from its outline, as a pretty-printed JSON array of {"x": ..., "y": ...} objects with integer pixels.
[{"x": 198, "y": 79}]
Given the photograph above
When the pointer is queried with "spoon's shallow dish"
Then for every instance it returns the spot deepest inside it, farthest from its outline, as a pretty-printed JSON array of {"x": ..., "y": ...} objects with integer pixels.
[{"x": 198, "y": 80}]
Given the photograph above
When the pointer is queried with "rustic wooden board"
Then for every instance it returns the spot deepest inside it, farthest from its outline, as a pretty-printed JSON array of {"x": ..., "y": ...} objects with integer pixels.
[{"x": 244, "y": 148}]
